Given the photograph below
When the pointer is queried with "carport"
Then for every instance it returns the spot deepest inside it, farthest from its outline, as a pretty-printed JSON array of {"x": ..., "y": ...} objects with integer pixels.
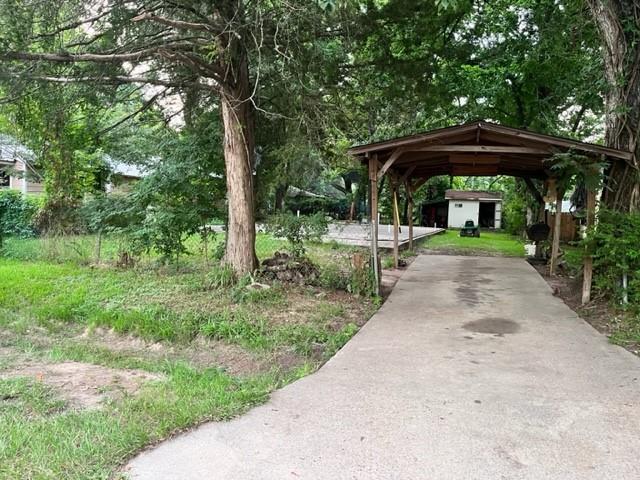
[{"x": 476, "y": 149}]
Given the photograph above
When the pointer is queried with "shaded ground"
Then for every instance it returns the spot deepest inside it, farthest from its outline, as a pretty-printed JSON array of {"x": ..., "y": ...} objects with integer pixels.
[
  {"x": 471, "y": 369},
  {"x": 599, "y": 313}
]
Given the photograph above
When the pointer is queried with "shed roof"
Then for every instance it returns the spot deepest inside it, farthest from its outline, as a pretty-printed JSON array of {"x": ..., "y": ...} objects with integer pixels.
[
  {"x": 472, "y": 195},
  {"x": 477, "y": 149}
]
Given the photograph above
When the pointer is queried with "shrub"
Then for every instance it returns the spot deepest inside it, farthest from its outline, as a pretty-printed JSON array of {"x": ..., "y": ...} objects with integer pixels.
[
  {"x": 615, "y": 246},
  {"x": 515, "y": 215},
  {"x": 297, "y": 229},
  {"x": 337, "y": 208},
  {"x": 17, "y": 214},
  {"x": 332, "y": 277}
]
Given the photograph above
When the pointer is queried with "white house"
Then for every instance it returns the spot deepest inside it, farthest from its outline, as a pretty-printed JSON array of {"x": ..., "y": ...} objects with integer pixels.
[
  {"x": 484, "y": 208},
  {"x": 16, "y": 170}
]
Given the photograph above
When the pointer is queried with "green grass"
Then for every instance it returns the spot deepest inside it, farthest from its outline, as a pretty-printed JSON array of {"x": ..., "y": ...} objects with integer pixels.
[
  {"x": 489, "y": 243},
  {"x": 90, "y": 444},
  {"x": 80, "y": 249},
  {"x": 47, "y": 302}
]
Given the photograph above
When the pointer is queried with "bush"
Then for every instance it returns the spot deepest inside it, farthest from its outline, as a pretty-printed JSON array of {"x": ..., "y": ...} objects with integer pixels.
[
  {"x": 615, "y": 246},
  {"x": 515, "y": 215},
  {"x": 17, "y": 214},
  {"x": 296, "y": 230},
  {"x": 332, "y": 278},
  {"x": 337, "y": 208}
]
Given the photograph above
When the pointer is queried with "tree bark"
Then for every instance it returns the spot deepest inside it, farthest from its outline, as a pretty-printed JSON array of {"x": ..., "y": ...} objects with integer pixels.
[
  {"x": 281, "y": 194},
  {"x": 238, "y": 122},
  {"x": 619, "y": 24}
]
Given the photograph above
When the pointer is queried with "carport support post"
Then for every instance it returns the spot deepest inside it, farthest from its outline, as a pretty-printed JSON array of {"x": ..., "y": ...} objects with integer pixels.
[
  {"x": 557, "y": 227},
  {"x": 587, "y": 273},
  {"x": 407, "y": 187},
  {"x": 394, "y": 200},
  {"x": 373, "y": 220}
]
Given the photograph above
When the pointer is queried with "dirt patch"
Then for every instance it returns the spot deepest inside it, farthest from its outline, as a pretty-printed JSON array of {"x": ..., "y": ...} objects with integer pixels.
[
  {"x": 493, "y": 325},
  {"x": 201, "y": 353},
  {"x": 304, "y": 303},
  {"x": 84, "y": 385}
]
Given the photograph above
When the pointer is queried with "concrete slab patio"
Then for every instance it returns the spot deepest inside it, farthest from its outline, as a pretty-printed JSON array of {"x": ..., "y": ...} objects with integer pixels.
[
  {"x": 471, "y": 370},
  {"x": 360, "y": 234}
]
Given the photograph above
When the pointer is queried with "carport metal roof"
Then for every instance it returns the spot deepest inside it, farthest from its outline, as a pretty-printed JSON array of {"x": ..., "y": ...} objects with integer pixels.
[{"x": 476, "y": 149}]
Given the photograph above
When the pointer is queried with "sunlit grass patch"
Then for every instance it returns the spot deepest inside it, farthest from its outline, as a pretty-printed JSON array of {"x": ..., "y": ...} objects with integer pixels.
[{"x": 492, "y": 243}]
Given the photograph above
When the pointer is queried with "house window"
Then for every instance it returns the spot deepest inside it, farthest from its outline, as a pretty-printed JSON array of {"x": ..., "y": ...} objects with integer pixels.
[
  {"x": 4, "y": 179},
  {"x": 458, "y": 205}
]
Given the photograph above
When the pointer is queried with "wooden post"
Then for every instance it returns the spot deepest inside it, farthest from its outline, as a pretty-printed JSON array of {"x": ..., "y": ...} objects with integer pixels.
[
  {"x": 587, "y": 273},
  {"x": 407, "y": 187},
  {"x": 373, "y": 220},
  {"x": 557, "y": 228},
  {"x": 394, "y": 200}
]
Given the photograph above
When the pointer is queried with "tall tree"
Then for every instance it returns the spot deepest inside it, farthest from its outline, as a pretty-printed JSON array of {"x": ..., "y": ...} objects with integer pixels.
[
  {"x": 173, "y": 46},
  {"x": 619, "y": 25}
]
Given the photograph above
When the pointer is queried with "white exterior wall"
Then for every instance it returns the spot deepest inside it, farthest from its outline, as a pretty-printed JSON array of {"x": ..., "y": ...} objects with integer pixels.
[
  {"x": 469, "y": 210},
  {"x": 23, "y": 185},
  {"x": 498, "y": 219}
]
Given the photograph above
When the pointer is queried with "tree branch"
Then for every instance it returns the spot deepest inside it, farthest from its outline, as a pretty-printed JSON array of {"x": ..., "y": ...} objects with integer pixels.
[
  {"x": 113, "y": 80},
  {"x": 80, "y": 57},
  {"x": 179, "y": 24}
]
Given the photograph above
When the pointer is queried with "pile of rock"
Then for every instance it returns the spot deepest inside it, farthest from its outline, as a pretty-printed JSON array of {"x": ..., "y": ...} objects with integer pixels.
[{"x": 285, "y": 268}]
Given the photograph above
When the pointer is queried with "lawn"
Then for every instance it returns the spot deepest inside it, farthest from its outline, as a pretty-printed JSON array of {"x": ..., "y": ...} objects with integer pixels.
[
  {"x": 489, "y": 243},
  {"x": 172, "y": 347}
]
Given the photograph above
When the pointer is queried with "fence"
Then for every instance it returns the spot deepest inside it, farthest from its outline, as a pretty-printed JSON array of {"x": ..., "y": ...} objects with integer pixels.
[{"x": 568, "y": 226}]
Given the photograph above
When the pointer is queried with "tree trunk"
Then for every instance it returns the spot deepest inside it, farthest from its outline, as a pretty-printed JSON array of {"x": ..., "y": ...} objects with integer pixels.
[
  {"x": 238, "y": 122},
  {"x": 281, "y": 194},
  {"x": 619, "y": 24}
]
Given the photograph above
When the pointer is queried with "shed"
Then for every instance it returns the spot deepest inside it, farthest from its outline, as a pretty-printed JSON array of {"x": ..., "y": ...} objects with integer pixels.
[{"x": 484, "y": 208}]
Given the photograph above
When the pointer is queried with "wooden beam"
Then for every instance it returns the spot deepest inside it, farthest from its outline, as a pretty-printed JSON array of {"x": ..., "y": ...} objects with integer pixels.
[
  {"x": 476, "y": 159},
  {"x": 407, "y": 173},
  {"x": 587, "y": 272},
  {"x": 419, "y": 183},
  {"x": 373, "y": 220},
  {"x": 479, "y": 149},
  {"x": 481, "y": 170},
  {"x": 556, "y": 141},
  {"x": 448, "y": 133},
  {"x": 557, "y": 224},
  {"x": 390, "y": 161}
]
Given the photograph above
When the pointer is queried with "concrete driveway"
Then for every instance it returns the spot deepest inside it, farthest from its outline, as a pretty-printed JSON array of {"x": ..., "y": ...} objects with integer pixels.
[{"x": 471, "y": 370}]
